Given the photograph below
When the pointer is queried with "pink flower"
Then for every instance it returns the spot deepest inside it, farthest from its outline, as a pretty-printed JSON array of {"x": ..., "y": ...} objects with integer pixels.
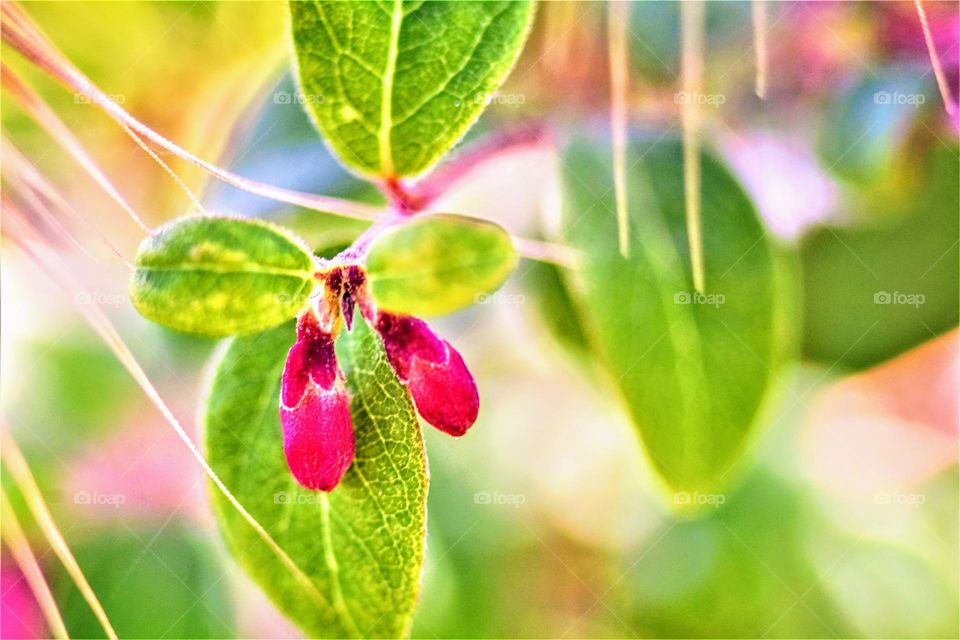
[
  {"x": 438, "y": 380},
  {"x": 318, "y": 436},
  {"x": 315, "y": 409}
]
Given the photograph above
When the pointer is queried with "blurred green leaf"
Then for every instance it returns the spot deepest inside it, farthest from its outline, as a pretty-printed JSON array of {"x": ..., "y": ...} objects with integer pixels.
[
  {"x": 871, "y": 293},
  {"x": 741, "y": 571},
  {"x": 221, "y": 276},
  {"x": 362, "y": 544},
  {"x": 438, "y": 264},
  {"x": 393, "y": 86},
  {"x": 85, "y": 390},
  {"x": 152, "y": 584},
  {"x": 545, "y": 285},
  {"x": 694, "y": 370},
  {"x": 865, "y": 127}
]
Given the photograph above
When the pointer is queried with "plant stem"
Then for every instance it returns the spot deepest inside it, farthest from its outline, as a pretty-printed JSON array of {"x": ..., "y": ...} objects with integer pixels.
[
  {"x": 20, "y": 471},
  {"x": 23, "y": 555},
  {"x": 618, "y": 19},
  {"x": 759, "y": 14},
  {"x": 23, "y": 36},
  {"x": 692, "y": 20},
  {"x": 942, "y": 83}
]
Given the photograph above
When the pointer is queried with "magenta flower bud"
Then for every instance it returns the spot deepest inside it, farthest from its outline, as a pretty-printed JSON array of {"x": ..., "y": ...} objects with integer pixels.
[
  {"x": 315, "y": 409},
  {"x": 442, "y": 387}
]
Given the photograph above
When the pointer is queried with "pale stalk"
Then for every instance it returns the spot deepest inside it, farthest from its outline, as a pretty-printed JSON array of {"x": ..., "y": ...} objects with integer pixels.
[
  {"x": 759, "y": 14},
  {"x": 23, "y": 477},
  {"x": 105, "y": 329},
  {"x": 692, "y": 20},
  {"x": 13, "y": 535},
  {"x": 938, "y": 73},
  {"x": 618, "y": 20},
  {"x": 41, "y": 112}
]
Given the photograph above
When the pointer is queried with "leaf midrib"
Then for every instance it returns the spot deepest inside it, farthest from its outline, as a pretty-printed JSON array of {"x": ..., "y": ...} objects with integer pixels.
[{"x": 386, "y": 100}]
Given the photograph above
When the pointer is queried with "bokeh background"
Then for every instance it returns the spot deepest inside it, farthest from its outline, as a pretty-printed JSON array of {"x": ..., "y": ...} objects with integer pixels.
[{"x": 545, "y": 521}]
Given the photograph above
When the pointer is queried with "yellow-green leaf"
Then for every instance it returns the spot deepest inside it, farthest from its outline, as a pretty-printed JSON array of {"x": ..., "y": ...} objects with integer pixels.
[
  {"x": 438, "y": 264},
  {"x": 220, "y": 276}
]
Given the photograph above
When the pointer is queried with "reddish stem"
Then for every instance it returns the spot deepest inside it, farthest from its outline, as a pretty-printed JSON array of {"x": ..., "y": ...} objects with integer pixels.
[{"x": 425, "y": 192}]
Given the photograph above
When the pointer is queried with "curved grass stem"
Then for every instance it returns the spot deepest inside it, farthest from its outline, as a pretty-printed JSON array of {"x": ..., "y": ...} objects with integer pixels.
[
  {"x": 16, "y": 541},
  {"x": 20, "y": 471}
]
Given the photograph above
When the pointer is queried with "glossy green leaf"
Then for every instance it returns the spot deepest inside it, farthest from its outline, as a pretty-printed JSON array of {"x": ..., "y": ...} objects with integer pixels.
[
  {"x": 221, "y": 276},
  {"x": 873, "y": 291},
  {"x": 438, "y": 264},
  {"x": 393, "y": 85},
  {"x": 362, "y": 544},
  {"x": 693, "y": 370}
]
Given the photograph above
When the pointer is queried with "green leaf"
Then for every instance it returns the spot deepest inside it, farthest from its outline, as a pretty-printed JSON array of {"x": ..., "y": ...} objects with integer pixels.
[
  {"x": 871, "y": 292},
  {"x": 693, "y": 370},
  {"x": 438, "y": 264},
  {"x": 221, "y": 276},
  {"x": 362, "y": 544},
  {"x": 544, "y": 283},
  {"x": 736, "y": 571},
  {"x": 169, "y": 567},
  {"x": 393, "y": 85}
]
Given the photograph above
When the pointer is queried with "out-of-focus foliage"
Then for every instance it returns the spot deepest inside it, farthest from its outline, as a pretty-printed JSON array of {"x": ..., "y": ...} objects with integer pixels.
[
  {"x": 151, "y": 583},
  {"x": 890, "y": 282},
  {"x": 716, "y": 354}
]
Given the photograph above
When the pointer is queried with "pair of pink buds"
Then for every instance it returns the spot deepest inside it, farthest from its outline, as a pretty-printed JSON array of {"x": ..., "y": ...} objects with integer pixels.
[{"x": 318, "y": 436}]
